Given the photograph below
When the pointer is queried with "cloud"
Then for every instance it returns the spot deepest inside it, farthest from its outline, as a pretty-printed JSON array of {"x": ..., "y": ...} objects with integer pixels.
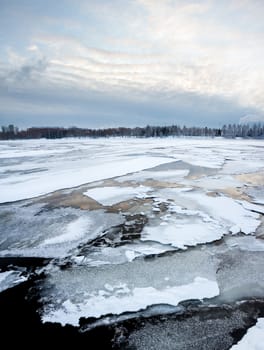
[
  {"x": 33, "y": 48},
  {"x": 251, "y": 118},
  {"x": 92, "y": 108},
  {"x": 27, "y": 72},
  {"x": 142, "y": 52}
]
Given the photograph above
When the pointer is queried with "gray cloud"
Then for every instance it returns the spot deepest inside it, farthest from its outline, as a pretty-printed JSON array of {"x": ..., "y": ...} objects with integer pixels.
[
  {"x": 146, "y": 61},
  {"x": 94, "y": 109},
  {"x": 252, "y": 118},
  {"x": 26, "y": 72}
]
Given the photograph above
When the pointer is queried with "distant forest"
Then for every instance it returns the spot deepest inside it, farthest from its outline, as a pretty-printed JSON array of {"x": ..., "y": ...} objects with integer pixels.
[{"x": 228, "y": 131}]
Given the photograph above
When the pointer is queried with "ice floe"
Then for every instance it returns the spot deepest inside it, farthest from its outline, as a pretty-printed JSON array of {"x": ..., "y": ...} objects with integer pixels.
[
  {"x": 162, "y": 175},
  {"x": 227, "y": 212},
  {"x": 83, "y": 291},
  {"x": 116, "y": 299}
]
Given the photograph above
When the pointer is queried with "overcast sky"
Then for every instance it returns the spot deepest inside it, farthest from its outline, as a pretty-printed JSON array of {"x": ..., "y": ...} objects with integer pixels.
[{"x": 100, "y": 63}]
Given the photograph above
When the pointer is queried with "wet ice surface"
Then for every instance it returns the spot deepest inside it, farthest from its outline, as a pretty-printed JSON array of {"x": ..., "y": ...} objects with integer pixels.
[{"x": 148, "y": 226}]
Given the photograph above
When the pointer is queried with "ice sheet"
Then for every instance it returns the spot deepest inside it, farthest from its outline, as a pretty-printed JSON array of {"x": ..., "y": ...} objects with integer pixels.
[
  {"x": 31, "y": 168},
  {"x": 215, "y": 182},
  {"x": 165, "y": 175},
  {"x": 121, "y": 254},
  {"x": 227, "y": 212},
  {"x": 254, "y": 338},
  {"x": 113, "y": 195},
  {"x": 32, "y": 230},
  {"x": 116, "y": 299},
  {"x": 257, "y": 193},
  {"x": 74, "y": 231},
  {"x": 182, "y": 227},
  {"x": 248, "y": 243},
  {"x": 181, "y": 235},
  {"x": 95, "y": 291},
  {"x": 253, "y": 207}
]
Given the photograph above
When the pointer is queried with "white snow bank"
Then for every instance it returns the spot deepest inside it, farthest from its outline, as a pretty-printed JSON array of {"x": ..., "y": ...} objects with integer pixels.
[
  {"x": 125, "y": 300},
  {"x": 254, "y": 338}
]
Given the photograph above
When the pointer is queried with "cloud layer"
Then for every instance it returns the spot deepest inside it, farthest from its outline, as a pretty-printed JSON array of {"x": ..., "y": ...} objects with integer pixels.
[{"x": 103, "y": 63}]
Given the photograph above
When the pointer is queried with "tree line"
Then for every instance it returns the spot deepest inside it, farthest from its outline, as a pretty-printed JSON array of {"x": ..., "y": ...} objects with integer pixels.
[{"x": 228, "y": 131}]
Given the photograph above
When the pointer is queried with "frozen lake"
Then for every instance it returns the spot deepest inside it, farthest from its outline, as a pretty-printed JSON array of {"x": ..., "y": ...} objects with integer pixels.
[{"x": 133, "y": 226}]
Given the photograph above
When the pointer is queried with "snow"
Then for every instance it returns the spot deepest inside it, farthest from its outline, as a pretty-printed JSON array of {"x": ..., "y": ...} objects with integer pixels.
[
  {"x": 127, "y": 300},
  {"x": 254, "y": 338},
  {"x": 31, "y": 168},
  {"x": 9, "y": 279},
  {"x": 182, "y": 228},
  {"x": 32, "y": 230},
  {"x": 254, "y": 207},
  {"x": 121, "y": 254},
  {"x": 38, "y": 171},
  {"x": 181, "y": 235},
  {"x": 113, "y": 195},
  {"x": 114, "y": 275},
  {"x": 133, "y": 285},
  {"x": 209, "y": 220},
  {"x": 228, "y": 212}
]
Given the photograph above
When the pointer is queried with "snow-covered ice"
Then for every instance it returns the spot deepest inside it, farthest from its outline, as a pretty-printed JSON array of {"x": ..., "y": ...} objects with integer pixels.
[
  {"x": 162, "y": 175},
  {"x": 257, "y": 193},
  {"x": 31, "y": 168},
  {"x": 113, "y": 195},
  {"x": 124, "y": 258},
  {"x": 125, "y": 300},
  {"x": 227, "y": 211},
  {"x": 30, "y": 230},
  {"x": 74, "y": 231},
  {"x": 254, "y": 338},
  {"x": 182, "y": 228},
  {"x": 134, "y": 285}
]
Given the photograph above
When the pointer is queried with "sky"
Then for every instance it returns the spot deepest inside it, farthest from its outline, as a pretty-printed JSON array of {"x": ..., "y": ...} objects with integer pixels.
[{"x": 105, "y": 63}]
